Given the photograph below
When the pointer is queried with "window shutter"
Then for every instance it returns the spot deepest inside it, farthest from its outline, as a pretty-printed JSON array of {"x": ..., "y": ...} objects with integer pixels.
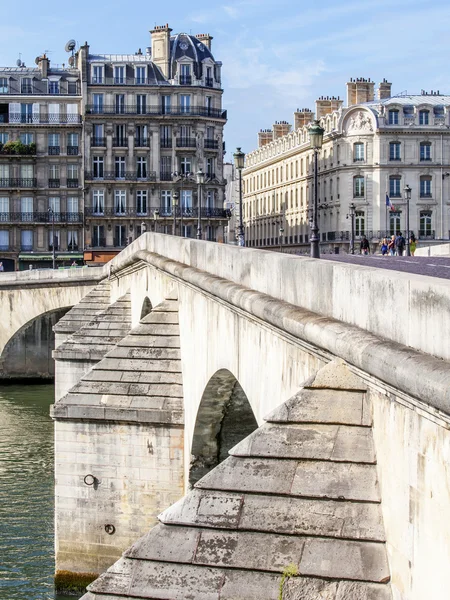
[
  {"x": 14, "y": 112},
  {"x": 36, "y": 112},
  {"x": 72, "y": 113}
]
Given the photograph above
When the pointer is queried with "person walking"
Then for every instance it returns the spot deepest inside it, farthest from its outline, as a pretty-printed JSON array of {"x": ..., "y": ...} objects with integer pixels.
[
  {"x": 391, "y": 245},
  {"x": 412, "y": 243},
  {"x": 384, "y": 247},
  {"x": 2, "y": 268},
  {"x": 364, "y": 246},
  {"x": 400, "y": 244}
]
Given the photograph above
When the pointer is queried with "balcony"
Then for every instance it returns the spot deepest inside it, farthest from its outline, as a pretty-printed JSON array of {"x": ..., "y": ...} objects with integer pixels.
[
  {"x": 120, "y": 142},
  {"x": 54, "y": 150},
  {"x": 209, "y": 82},
  {"x": 19, "y": 118},
  {"x": 54, "y": 183},
  {"x": 98, "y": 142},
  {"x": 17, "y": 149},
  {"x": 40, "y": 88},
  {"x": 72, "y": 183},
  {"x": 163, "y": 176},
  {"x": 185, "y": 79},
  {"x": 40, "y": 217},
  {"x": 164, "y": 212},
  {"x": 72, "y": 150},
  {"x": 186, "y": 142},
  {"x": 211, "y": 144},
  {"x": 165, "y": 143},
  {"x": 98, "y": 242},
  {"x": 132, "y": 109},
  {"x": 141, "y": 142},
  {"x": 18, "y": 183},
  {"x": 26, "y": 247}
]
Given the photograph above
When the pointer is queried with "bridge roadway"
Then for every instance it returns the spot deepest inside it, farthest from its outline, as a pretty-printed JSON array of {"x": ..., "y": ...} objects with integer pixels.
[{"x": 432, "y": 266}]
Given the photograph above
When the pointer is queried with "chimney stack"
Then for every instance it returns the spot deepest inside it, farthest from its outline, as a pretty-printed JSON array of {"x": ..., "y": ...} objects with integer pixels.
[
  {"x": 360, "y": 90},
  {"x": 326, "y": 105},
  {"x": 205, "y": 38},
  {"x": 44, "y": 65},
  {"x": 161, "y": 47},
  {"x": 302, "y": 117},
  {"x": 280, "y": 128},
  {"x": 265, "y": 136},
  {"x": 384, "y": 90}
]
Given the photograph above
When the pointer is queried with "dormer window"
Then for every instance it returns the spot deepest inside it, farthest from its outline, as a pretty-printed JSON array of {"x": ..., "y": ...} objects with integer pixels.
[
  {"x": 119, "y": 75},
  {"x": 140, "y": 75},
  {"x": 26, "y": 86},
  {"x": 424, "y": 117},
  {"x": 97, "y": 74},
  {"x": 209, "y": 77},
  {"x": 3, "y": 85},
  {"x": 393, "y": 117},
  {"x": 53, "y": 87},
  {"x": 185, "y": 75}
]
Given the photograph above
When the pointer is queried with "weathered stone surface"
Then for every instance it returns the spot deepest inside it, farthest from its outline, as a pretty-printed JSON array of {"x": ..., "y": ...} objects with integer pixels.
[{"x": 336, "y": 375}]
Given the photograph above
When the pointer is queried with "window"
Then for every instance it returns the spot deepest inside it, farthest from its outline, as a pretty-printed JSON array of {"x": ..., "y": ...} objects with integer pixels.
[
  {"x": 165, "y": 105},
  {"x": 141, "y": 202},
  {"x": 425, "y": 151},
  {"x": 120, "y": 104},
  {"x": 166, "y": 200},
  {"x": 141, "y": 135},
  {"x": 98, "y": 202},
  {"x": 185, "y": 104},
  {"x": 72, "y": 172},
  {"x": 4, "y": 209},
  {"x": 358, "y": 186},
  {"x": 26, "y": 209},
  {"x": 97, "y": 74},
  {"x": 393, "y": 117},
  {"x": 166, "y": 136},
  {"x": 120, "y": 239},
  {"x": 72, "y": 204},
  {"x": 53, "y": 172},
  {"x": 425, "y": 224},
  {"x": 185, "y": 75},
  {"x": 141, "y": 104},
  {"x": 4, "y": 137},
  {"x": 395, "y": 186},
  {"x": 53, "y": 87},
  {"x": 98, "y": 164},
  {"x": 166, "y": 168},
  {"x": 97, "y": 103},
  {"x": 120, "y": 138},
  {"x": 119, "y": 162},
  {"x": 26, "y": 240},
  {"x": 26, "y": 113},
  {"x": 394, "y": 151},
  {"x": 141, "y": 163},
  {"x": 53, "y": 143},
  {"x": 72, "y": 143},
  {"x": 72, "y": 87},
  {"x": 186, "y": 200},
  {"x": 54, "y": 203},
  {"x": 209, "y": 199},
  {"x": 4, "y": 240},
  {"x": 98, "y": 236},
  {"x": 26, "y": 85},
  {"x": 140, "y": 75},
  {"x": 120, "y": 202},
  {"x": 54, "y": 237},
  {"x": 424, "y": 117},
  {"x": 425, "y": 186},
  {"x": 186, "y": 164},
  {"x": 119, "y": 75},
  {"x": 394, "y": 223},
  {"x": 209, "y": 77},
  {"x": 210, "y": 167},
  {"x": 359, "y": 224},
  {"x": 3, "y": 85},
  {"x": 72, "y": 239},
  {"x": 98, "y": 135},
  {"x": 208, "y": 104},
  {"x": 358, "y": 152}
]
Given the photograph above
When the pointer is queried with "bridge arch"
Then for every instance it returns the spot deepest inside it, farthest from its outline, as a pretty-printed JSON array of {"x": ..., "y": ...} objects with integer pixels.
[
  {"x": 224, "y": 418},
  {"x": 28, "y": 353}
]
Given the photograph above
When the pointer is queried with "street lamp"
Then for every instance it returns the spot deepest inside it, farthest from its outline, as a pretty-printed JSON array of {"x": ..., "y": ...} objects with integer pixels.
[
  {"x": 407, "y": 192},
  {"x": 281, "y": 230},
  {"x": 155, "y": 218},
  {"x": 316, "y": 139},
  {"x": 352, "y": 217},
  {"x": 239, "y": 159},
  {"x": 143, "y": 227},
  {"x": 174, "y": 205},
  {"x": 200, "y": 182},
  {"x": 52, "y": 213}
]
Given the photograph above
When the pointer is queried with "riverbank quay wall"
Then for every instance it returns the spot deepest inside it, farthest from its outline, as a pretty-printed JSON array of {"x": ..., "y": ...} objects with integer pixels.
[
  {"x": 31, "y": 302},
  {"x": 272, "y": 321}
]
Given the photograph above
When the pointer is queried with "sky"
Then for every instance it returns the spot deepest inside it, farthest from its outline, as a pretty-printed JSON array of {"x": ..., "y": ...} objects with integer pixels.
[{"x": 278, "y": 55}]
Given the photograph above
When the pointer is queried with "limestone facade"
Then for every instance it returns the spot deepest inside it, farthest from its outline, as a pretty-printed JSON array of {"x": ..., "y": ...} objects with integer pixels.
[{"x": 372, "y": 147}]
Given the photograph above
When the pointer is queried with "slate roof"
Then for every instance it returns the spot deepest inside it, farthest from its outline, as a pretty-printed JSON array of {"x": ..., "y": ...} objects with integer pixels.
[{"x": 302, "y": 490}]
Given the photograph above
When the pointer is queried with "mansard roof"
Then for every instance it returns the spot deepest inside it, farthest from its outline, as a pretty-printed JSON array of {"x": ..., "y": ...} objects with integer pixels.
[{"x": 184, "y": 45}]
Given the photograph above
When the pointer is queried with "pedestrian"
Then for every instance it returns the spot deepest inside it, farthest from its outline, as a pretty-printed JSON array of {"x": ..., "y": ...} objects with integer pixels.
[
  {"x": 1, "y": 267},
  {"x": 412, "y": 243},
  {"x": 400, "y": 244},
  {"x": 384, "y": 247},
  {"x": 391, "y": 245},
  {"x": 364, "y": 245}
]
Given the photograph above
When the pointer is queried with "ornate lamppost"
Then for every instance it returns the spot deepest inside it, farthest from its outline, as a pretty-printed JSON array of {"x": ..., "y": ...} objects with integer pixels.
[
  {"x": 174, "y": 208},
  {"x": 143, "y": 227},
  {"x": 239, "y": 160},
  {"x": 316, "y": 139},
  {"x": 52, "y": 213},
  {"x": 407, "y": 192},
  {"x": 200, "y": 182},
  {"x": 352, "y": 219},
  {"x": 281, "y": 231},
  {"x": 155, "y": 219}
]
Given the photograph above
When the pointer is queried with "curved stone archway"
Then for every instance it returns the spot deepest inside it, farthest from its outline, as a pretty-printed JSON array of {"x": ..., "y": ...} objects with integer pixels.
[
  {"x": 224, "y": 418},
  {"x": 28, "y": 354}
]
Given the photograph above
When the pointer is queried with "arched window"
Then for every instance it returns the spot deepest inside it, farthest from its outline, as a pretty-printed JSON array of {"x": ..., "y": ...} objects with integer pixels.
[
  {"x": 425, "y": 151},
  {"x": 425, "y": 230},
  {"x": 360, "y": 224}
]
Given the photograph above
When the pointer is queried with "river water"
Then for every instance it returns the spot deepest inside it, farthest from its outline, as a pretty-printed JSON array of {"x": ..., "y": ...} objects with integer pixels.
[{"x": 26, "y": 493}]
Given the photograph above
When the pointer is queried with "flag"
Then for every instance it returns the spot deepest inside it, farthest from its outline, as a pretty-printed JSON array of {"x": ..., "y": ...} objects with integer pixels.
[{"x": 389, "y": 203}]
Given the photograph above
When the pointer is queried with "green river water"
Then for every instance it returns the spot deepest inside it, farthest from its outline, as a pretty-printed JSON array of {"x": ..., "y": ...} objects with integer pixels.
[{"x": 26, "y": 493}]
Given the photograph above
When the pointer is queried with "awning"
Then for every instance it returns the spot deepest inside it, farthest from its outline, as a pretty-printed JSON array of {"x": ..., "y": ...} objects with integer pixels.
[{"x": 31, "y": 257}]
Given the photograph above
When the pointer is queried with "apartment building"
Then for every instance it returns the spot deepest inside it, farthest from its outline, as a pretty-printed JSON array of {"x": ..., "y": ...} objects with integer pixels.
[
  {"x": 373, "y": 147},
  {"x": 40, "y": 165},
  {"x": 94, "y": 154}
]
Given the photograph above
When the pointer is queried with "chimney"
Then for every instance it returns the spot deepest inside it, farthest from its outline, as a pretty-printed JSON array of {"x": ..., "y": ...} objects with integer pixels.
[
  {"x": 265, "y": 136},
  {"x": 360, "y": 90},
  {"x": 280, "y": 128},
  {"x": 205, "y": 38},
  {"x": 326, "y": 105},
  {"x": 161, "y": 48},
  {"x": 44, "y": 65},
  {"x": 384, "y": 90},
  {"x": 302, "y": 117}
]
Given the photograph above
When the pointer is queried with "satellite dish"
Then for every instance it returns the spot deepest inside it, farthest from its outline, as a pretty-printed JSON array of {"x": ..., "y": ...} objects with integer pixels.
[
  {"x": 37, "y": 60},
  {"x": 70, "y": 46},
  {"x": 18, "y": 62}
]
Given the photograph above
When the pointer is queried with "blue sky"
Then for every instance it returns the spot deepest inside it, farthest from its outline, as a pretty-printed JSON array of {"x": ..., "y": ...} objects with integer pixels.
[{"x": 277, "y": 54}]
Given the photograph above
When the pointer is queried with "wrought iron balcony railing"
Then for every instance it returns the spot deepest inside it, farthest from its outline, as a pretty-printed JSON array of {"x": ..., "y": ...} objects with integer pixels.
[
  {"x": 211, "y": 144},
  {"x": 19, "y": 118},
  {"x": 162, "y": 211},
  {"x": 185, "y": 79},
  {"x": 54, "y": 150},
  {"x": 120, "y": 142},
  {"x": 72, "y": 183},
  {"x": 209, "y": 82},
  {"x": 72, "y": 150},
  {"x": 141, "y": 142},
  {"x": 18, "y": 182},
  {"x": 165, "y": 143},
  {"x": 186, "y": 142},
  {"x": 41, "y": 217},
  {"x": 54, "y": 183},
  {"x": 98, "y": 141},
  {"x": 125, "y": 176},
  {"x": 132, "y": 109}
]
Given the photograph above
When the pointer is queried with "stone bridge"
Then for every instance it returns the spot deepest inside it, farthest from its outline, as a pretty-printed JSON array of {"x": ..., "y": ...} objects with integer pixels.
[
  {"x": 165, "y": 373},
  {"x": 31, "y": 304}
]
